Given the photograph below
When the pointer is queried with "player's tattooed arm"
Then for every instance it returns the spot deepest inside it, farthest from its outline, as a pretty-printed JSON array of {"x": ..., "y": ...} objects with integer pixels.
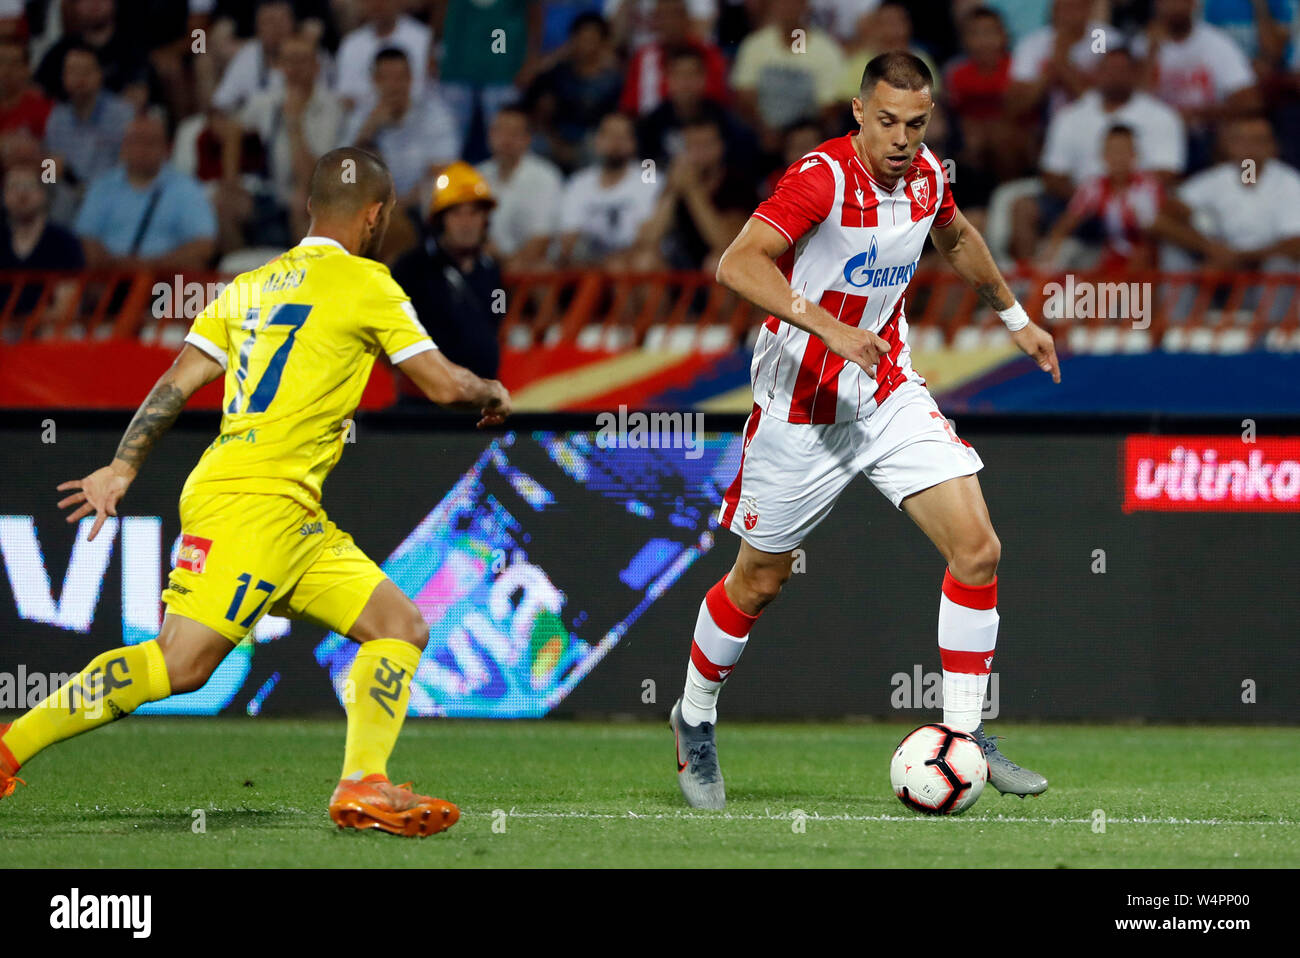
[
  {"x": 154, "y": 417},
  {"x": 969, "y": 256},
  {"x": 191, "y": 370},
  {"x": 991, "y": 295},
  {"x": 101, "y": 491}
]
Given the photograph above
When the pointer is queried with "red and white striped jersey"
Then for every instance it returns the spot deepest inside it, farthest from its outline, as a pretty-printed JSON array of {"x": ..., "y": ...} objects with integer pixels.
[
  {"x": 854, "y": 246},
  {"x": 1127, "y": 211}
]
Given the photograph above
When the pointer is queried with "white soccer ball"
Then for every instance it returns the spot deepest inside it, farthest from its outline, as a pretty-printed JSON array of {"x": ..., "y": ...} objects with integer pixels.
[{"x": 938, "y": 770}]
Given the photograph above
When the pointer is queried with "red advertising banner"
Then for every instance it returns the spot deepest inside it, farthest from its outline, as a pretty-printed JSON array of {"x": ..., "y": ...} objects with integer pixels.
[
  {"x": 116, "y": 374},
  {"x": 1211, "y": 474}
]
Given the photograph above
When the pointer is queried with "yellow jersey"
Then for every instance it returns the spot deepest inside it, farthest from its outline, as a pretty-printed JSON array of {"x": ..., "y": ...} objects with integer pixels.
[{"x": 297, "y": 338}]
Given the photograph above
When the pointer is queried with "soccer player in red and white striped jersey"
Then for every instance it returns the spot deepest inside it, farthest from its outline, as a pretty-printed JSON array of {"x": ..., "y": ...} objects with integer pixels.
[{"x": 829, "y": 256}]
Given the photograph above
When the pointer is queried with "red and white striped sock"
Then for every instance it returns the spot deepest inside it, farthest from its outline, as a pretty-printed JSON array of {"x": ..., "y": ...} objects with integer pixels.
[
  {"x": 968, "y": 634},
  {"x": 721, "y": 631}
]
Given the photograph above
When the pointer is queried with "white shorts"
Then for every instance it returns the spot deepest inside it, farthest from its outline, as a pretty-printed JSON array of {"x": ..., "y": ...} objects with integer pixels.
[{"x": 791, "y": 473}]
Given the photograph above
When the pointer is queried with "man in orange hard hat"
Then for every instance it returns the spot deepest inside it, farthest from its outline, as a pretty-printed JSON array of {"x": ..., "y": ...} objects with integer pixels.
[{"x": 454, "y": 285}]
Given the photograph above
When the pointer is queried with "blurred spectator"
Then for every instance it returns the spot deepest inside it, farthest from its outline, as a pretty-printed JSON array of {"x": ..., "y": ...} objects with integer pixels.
[
  {"x": 453, "y": 283},
  {"x": 315, "y": 18},
  {"x": 800, "y": 139},
  {"x": 19, "y": 148},
  {"x": 412, "y": 136},
  {"x": 21, "y": 104},
  {"x": 1075, "y": 138},
  {"x": 660, "y": 131},
  {"x": 229, "y": 163},
  {"x": 296, "y": 123},
  {"x": 486, "y": 44},
  {"x": 13, "y": 20},
  {"x": 558, "y": 17},
  {"x": 886, "y": 29},
  {"x": 1244, "y": 213},
  {"x": 93, "y": 23},
  {"x": 161, "y": 30},
  {"x": 1053, "y": 65},
  {"x": 976, "y": 87},
  {"x": 840, "y": 18},
  {"x": 781, "y": 76},
  {"x": 385, "y": 26},
  {"x": 605, "y": 204},
  {"x": 1073, "y": 150},
  {"x": 1196, "y": 69},
  {"x": 647, "y": 73},
  {"x": 1261, "y": 28},
  {"x": 29, "y": 240},
  {"x": 568, "y": 100},
  {"x": 1124, "y": 200},
  {"x": 230, "y": 25},
  {"x": 255, "y": 68},
  {"x": 143, "y": 213},
  {"x": 635, "y": 22},
  {"x": 85, "y": 130},
  {"x": 527, "y": 190},
  {"x": 703, "y": 205},
  {"x": 1022, "y": 17}
]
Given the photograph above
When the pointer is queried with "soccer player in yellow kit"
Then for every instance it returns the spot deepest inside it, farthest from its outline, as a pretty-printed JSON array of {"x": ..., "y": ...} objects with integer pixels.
[{"x": 295, "y": 341}]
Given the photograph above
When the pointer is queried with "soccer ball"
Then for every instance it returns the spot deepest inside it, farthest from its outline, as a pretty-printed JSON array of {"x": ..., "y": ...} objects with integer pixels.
[{"x": 938, "y": 770}]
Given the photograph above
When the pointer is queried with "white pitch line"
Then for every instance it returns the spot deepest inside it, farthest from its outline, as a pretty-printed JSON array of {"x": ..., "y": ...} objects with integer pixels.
[{"x": 815, "y": 817}]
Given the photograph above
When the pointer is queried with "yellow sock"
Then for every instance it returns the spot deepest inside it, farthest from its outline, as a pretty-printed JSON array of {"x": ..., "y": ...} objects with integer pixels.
[
  {"x": 380, "y": 682},
  {"x": 113, "y": 685}
]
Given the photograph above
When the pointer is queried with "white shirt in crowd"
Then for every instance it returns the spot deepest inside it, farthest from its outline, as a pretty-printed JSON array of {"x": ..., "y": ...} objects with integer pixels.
[
  {"x": 641, "y": 13},
  {"x": 357, "y": 51},
  {"x": 425, "y": 137},
  {"x": 606, "y": 218},
  {"x": 528, "y": 204},
  {"x": 1204, "y": 69},
  {"x": 322, "y": 122},
  {"x": 1076, "y": 135},
  {"x": 1245, "y": 216},
  {"x": 840, "y": 18},
  {"x": 246, "y": 74},
  {"x": 1034, "y": 52}
]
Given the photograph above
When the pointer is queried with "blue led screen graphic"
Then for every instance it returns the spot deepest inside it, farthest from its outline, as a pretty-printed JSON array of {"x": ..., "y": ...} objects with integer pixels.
[{"x": 529, "y": 569}]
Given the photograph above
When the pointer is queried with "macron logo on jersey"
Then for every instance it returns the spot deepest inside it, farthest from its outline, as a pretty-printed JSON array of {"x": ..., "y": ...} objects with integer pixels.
[
  {"x": 808, "y": 163},
  {"x": 861, "y": 271}
]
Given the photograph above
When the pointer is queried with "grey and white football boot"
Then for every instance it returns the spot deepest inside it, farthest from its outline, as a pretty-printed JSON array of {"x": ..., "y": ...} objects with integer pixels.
[
  {"x": 698, "y": 774},
  {"x": 1005, "y": 775}
]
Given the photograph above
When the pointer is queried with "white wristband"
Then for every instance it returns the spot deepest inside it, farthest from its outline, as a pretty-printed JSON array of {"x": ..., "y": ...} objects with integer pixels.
[{"x": 1014, "y": 317}]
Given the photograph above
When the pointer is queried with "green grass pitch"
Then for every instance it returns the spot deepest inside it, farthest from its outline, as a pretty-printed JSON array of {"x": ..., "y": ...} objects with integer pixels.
[{"x": 563, "y": 793}]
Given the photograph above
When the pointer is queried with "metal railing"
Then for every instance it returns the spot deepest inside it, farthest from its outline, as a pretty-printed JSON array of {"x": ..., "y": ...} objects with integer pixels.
[{"x": 690, "y": 309}]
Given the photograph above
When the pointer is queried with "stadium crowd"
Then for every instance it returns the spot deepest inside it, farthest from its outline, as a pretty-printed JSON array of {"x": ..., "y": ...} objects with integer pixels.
[{"x": 637, "y": 133}]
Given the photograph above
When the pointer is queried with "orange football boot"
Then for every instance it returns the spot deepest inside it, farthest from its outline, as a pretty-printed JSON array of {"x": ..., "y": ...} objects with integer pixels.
[
  {"x": 375, "y": 802},
  {"x": 9, "y": 766}
]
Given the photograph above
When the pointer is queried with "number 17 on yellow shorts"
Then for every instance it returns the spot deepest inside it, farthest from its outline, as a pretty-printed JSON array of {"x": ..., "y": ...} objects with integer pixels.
[{"x": 244, "y": 555}]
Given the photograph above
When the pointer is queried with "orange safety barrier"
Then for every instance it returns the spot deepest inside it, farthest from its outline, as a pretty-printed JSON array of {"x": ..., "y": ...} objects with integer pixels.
[{"x": 570, "y": 306}]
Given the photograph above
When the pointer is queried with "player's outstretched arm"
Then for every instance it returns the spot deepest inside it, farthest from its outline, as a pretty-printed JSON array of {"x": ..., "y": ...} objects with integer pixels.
[
  {"x": 103, "y": 489},
  {"x": 965, "y": 250},
  {"x": 748, "y": 268},
  {"x": 456, "y": 387}
]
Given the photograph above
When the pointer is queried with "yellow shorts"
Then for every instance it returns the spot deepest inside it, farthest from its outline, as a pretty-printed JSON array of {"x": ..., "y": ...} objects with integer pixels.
[{"x": 245, "y": 555}]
